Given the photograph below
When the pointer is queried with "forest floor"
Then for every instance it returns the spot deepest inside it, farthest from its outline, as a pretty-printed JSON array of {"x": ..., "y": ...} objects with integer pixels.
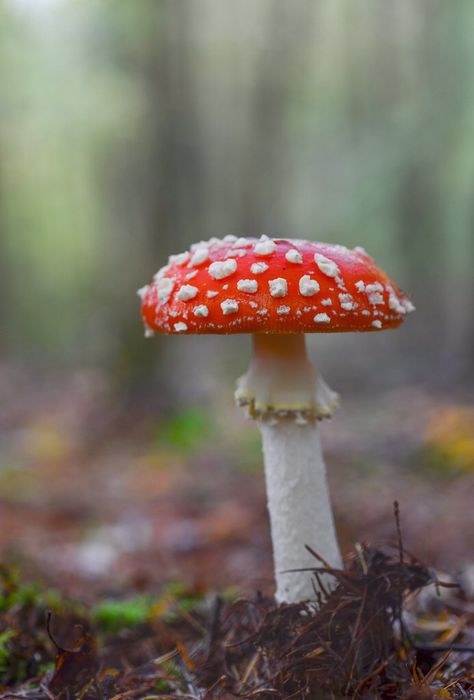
[{"x": 145, "y": 529}]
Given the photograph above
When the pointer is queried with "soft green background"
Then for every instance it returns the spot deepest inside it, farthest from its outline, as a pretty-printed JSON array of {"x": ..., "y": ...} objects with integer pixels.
[{"x": 129, "y": 129}]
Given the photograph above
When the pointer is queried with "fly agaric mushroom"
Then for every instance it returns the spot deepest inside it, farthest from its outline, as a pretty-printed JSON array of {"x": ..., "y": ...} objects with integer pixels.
[{"x": 278, "y": 290}]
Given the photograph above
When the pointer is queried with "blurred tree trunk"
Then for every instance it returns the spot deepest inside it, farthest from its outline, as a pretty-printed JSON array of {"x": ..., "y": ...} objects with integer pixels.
[
  {"x": 160, "y": 188},
  {"x": 8, "y": 314},
  {"x": 173, "y": 194},
  {"x": 5, "y": 299},
  {"x": 283, "y": 58}
]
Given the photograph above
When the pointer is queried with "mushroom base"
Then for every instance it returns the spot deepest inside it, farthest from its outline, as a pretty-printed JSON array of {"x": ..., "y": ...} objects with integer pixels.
[{"x": 282, "y": 382}]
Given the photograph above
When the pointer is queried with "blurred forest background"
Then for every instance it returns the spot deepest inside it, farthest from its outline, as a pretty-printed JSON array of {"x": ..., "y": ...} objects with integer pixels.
[{"x": 130, "y": 129}]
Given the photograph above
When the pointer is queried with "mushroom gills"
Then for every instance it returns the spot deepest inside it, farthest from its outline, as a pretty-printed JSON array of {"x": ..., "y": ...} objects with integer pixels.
[{"x": 282, "y": 382}]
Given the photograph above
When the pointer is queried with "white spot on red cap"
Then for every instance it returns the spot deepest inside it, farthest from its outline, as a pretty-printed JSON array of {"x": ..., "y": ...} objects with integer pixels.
[
  {"x": 321, "y": 318},
  {"x": 200, "y": 255},
  {"x": 258, "y": 268},
  {"x": 294, "y": 256},
  {"x": 374, "y": 287},
  {"x": 237, "y": 253},
  {"x": 187, "y": 292},
  {"x": 248, "y": 286},
  {"x": 180, "y": 327},
  {"x": 143, "y": 291},
  {"x": 283, "y": 310},
  {"x": 161, "y": 272},
  {"x": 221, "y": 269},
  {"x": 394, "y": 302},
  {"x": 164, "y": 286},
  {"x": 377, "y": 324},
  {"x": 308, "y": 287},
  {"x": 201, "y": 311},
  {"x": 326, "y": 302},
  {"x": 242, "y": 243},
  {"x": 347, "y": 302},
  {"x": 265, "y": 246},
  {"x": 327, "y": 266},
  {"x": 229, "y": 306},
  {"x": 375, "y": 298},
  {"x": 211, "y": 294},
  {"x": 278, "y": 287},
  {"x": 360, "y": 286},
  {"x": 192, "y": 274},
  {"x": 179, "y": 259}
]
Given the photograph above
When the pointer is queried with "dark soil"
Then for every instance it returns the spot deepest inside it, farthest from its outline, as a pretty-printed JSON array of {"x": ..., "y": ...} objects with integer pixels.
[{"x": 387, "y": 629}]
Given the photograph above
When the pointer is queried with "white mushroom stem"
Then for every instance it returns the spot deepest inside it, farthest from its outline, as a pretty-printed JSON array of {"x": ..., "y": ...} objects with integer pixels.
[
  {"x": 299, "y": 506},
  {"x": 283, "y": 391}
]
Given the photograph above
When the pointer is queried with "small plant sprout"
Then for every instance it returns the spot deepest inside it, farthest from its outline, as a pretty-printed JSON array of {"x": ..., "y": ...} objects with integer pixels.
[{"x": 278, "y": 290}]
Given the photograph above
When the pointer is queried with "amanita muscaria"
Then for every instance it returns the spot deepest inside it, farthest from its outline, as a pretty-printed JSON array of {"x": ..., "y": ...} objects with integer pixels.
[{"x": 278, "y": 290}]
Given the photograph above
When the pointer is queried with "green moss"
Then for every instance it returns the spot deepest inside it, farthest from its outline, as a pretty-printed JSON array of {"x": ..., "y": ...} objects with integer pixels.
[
  {"x": 15, "y": 595},
  {"x": 5, "y": 652},
  {"x": 171, "y": 669},
  {"x": 45, "y": 668},
  {"x": 112, "y": 615},
  {"x": 230, "y": 594},
  {"x": 175, "y": 598},
  {"x": 162, "y": 686},
  {"x": 185, "y": 431}
]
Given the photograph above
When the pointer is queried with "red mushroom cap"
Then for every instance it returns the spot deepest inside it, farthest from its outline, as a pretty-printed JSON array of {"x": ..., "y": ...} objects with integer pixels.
[{"x": 249, "y": 285}]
